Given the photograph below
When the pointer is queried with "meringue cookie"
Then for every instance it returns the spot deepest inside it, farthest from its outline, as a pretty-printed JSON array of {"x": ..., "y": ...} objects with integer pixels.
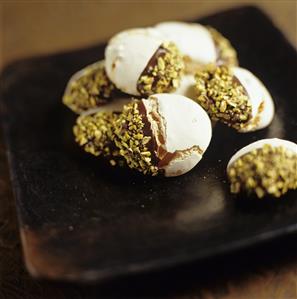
[
  {"x": 141, "y": 62},
  {"x": 235, "y": 97},
  {"x": 178, "y": 132},
  {"x": 193, "y": 40},
  {"x": 164, "y": 134},
  {"x": 264, "y": 167},
  {"x": 200, "y": 45},
  {"x": 89, "y": 88}
]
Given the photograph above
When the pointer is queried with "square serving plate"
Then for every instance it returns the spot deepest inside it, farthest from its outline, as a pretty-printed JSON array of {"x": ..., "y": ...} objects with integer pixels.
[{"x": 82, "y": 220}]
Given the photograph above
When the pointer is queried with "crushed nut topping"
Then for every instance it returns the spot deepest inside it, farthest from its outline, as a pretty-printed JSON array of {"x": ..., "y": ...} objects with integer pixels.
[
  {"x": 90, "y": 89},
  {"x": 264, "y": 171},
  {"x": 131, "y": 140},
  {"x": 94, "y": 133},
  {"x": 163, "y": 72},
  {"x": 118, "y": 137},
  {"x": 222, "y": 96},
  {"x": 226, "y": 53}
]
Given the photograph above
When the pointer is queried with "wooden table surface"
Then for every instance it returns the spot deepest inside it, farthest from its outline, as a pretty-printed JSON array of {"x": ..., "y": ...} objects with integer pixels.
[{"x": 268, "y": 271}]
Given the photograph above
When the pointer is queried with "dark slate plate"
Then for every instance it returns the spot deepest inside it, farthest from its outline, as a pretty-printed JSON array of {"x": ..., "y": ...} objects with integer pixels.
[{"x": 81, "y": 220}]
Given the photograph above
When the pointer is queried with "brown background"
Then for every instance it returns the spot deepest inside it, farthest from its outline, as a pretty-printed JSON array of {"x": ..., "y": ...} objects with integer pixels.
[
  {"x": 29, "y": 28},
  {"x": 40, "y": 27}
]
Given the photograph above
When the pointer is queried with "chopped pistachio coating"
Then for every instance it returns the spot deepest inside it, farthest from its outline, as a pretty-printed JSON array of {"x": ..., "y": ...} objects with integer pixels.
[
  {"x": 131, "y": 140},
  {"x": 222, "y": 96},
  {"x": 226, "y": 53},
  {"x": 94, "y": 132},
  {"x": 118, "y": 137},
  {"x": 163, "y": 73},
  {"x": 264, "y": 171},
  {"x": 90, "y": 89}
]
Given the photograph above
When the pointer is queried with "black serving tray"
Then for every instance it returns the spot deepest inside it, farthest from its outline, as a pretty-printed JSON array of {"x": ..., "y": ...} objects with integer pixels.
[{"x": 82, "y": 220}]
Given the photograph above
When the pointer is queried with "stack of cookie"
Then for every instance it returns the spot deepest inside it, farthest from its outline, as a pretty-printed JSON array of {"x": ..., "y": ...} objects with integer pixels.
[{"x": 151, "y": 103}]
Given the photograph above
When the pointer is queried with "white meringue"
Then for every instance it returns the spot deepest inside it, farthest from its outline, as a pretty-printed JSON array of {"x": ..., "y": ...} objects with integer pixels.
[
  {"x": 127, "y": 55},
  {"x": 181, "y": 128},
  {"x": 261, "y": 100},
  {"x": 275, "y": 142},
  {"x": 193, "y": 40}
]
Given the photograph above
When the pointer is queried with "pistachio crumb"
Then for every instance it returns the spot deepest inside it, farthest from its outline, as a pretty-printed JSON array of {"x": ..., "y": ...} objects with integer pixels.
[
  {"x": 222, "y": 96},
  {"x": 94, "y": 133},
  {"x": 264, "y": 171},
  {"x": 113, "y": 162},
  {"x": 131, "y": 140},
  {"x": 163, "y": 72},
  {"x": 92, "y": 88}
]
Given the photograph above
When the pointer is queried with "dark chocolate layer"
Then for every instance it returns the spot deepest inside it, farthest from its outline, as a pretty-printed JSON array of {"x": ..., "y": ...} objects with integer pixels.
[{"x": 152, "y": 144}]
